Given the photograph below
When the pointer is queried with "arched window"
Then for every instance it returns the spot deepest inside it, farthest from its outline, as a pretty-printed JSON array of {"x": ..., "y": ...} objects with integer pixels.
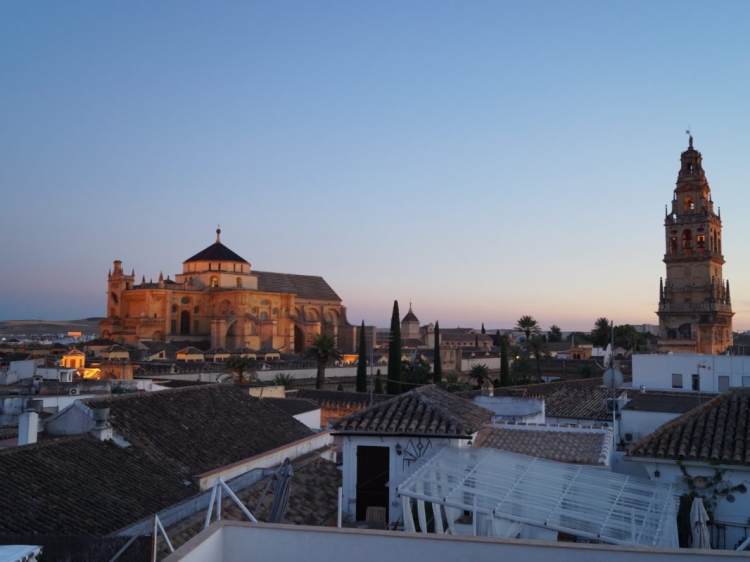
[
  {"x": 239, "y": 281},
  {"x": 689, "y": 205},
  {"x": 700, "y": 242},
  {"x": 673, "y": 245},
  {"x": 264, "y": 315},
  {"x": 184, "y": 322},
  {"x": 214, "y": 281},
  {"x": 687, "y": 240}
]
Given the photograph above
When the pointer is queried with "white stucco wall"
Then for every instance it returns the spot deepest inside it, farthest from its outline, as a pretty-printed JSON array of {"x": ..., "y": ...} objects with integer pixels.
[
  {"x": 239, "y": 542},
  {"x": 639, "y": 423},
  {"x": 735, "y": 515},
  {"x": 310, "y": 419},
  {"x": 399, "y": 468},
  {"x": 655, "y": 371}
]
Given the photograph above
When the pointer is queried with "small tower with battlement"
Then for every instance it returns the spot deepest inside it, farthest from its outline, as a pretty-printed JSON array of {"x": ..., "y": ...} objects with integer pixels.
[{"x": 695, "y": 309}]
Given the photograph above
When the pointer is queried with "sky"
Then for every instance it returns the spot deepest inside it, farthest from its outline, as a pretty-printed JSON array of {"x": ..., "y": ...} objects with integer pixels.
[{"x": 485, "y": 160}]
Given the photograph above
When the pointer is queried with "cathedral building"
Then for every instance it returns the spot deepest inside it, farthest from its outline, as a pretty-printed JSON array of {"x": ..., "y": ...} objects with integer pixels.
[
  {"x": 695, "y": 309},
  {"x": 218, "y": 297}
]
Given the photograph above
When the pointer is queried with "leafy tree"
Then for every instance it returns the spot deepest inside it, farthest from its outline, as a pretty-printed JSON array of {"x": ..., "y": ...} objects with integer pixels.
[
  {"x": 528, "y": 326},
  {"x": 394, "y": 354},
  {"x": 579, "y": 337},
  {"x": 323, "y": 348},
  {"x": 453, "y": 383},
  {"x": 555, "y": 334},
  {"x": 523, "y": 369},
  {"x": 362, "y": 362},
  {"x": 378, "y": 383},
  {"x": 480, "y": 373},
  {"x": 242, "y": 368},
  {"x": 628, "y": 337},
  {"x": 504, "y": 365},
  {"x": 586, "y": 371},
  {"x": 601, "y": 334},
  {"x": 437, "y": 368},
  {"x": 284, "y": 379},
  {"x": 416, "y": 371},
  {"x": 538, "y": 350}
]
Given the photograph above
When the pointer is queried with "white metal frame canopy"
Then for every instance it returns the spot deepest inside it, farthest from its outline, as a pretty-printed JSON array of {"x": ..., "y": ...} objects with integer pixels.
[{"x": 505, "y": 491}]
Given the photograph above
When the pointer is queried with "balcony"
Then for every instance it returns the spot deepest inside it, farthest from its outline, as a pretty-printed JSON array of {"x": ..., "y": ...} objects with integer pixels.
[
  {"x": 695, "y": 307},
  {"x": 693, "y": 255}
]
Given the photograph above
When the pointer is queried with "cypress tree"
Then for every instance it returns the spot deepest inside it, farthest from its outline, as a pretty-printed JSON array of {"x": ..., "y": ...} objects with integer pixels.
[
  {"x": 504, "y": 367},
  {"x": 476, "y": 340},
  {"x": 378, "y": 383},
  {"x": 437, "y": 369},
  {"x": 362, "y": 362},
  {"x": 483, "y": 331},
  {"x": 394, "y": 354}
]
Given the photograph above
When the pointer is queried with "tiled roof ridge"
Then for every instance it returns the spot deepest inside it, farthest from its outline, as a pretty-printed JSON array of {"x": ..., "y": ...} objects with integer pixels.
[
  {"x": 44, "y": 443},
  {"x": 532, "y": 425},
  {"x": 141, "y": 394},
  {"x": 427, "y": 402},
  {"x": 683, "y": 438}
]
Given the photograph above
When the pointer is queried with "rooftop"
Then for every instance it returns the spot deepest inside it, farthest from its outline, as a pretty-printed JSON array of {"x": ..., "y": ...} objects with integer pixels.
[
  {"x": 715, "y": 432},
  {"x": 667, "y": 402},
  {"x": 426, "y": 409},
  {"x": 304, "y": 286},
  {"x": 570, "y": 445}
]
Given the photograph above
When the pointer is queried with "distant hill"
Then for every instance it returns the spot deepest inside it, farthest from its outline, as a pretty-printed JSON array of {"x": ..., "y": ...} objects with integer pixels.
[{"x": 42, "y": 327}]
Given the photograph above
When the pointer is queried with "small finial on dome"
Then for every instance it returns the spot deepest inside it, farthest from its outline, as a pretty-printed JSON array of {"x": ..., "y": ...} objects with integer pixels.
[
  {"x": 218, "y": 234},
  {"x": 690, "y": 136}
]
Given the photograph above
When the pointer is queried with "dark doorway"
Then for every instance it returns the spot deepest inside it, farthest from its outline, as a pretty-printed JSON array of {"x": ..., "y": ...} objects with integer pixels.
[
  {"x": 372, "y": 479},
  {"x": 185, "y": 322},
  {"x": 299, "y": 339}
]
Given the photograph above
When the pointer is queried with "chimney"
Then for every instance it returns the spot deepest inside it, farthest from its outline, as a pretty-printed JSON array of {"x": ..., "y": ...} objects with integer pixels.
[
  {"x": 103, "y": 430},
  {"x": 28, "y": 425}
]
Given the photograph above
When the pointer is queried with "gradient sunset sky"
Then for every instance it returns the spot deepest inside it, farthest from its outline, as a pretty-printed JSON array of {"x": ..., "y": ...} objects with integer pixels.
[{"x": 484, "y": 159}]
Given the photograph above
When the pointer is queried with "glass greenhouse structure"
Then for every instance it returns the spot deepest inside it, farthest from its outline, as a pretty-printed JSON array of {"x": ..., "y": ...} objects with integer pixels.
[{"x": 487, "y": 492}]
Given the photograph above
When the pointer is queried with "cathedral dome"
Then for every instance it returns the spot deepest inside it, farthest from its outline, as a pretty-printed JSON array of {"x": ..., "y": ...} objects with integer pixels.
[{"x": 216, "y": 252}]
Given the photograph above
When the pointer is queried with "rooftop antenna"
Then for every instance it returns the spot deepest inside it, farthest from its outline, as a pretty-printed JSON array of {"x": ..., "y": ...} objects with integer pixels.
[{"x": 612, "y": 377}]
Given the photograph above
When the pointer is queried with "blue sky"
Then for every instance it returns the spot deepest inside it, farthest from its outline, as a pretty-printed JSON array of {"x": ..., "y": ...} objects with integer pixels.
[{"x": 484, "y": 159}]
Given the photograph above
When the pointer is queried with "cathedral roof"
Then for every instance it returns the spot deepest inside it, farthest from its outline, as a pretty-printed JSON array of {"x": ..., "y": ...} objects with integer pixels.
[
  {"x": 410, "y": 316},
  {"x": 304, "y": 286},
  {"x": 217, "y": 252}
]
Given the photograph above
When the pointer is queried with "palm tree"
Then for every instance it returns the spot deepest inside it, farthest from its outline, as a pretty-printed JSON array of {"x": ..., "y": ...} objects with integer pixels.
[
  {"x": 241, "y": 367},
  {"x": 528, "y": 326},
  {"x": 480, "y": 373},
  {"x": 322, "y": 348},
  {"x": 538, "y": 350},
  {"x": 601, "y": 334}
]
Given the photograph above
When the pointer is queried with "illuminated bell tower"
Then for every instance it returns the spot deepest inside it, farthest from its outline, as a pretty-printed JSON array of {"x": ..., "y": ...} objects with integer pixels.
[
  {"x": 695, "y": 310},
  {"x": 117, "y": 282}
]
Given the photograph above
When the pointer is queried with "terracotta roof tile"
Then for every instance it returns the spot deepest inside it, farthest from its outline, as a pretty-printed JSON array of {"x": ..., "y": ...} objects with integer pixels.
[
  {"x": 673, "y": 403},
  {"x": 426, "y": 409},
  {"x": 304, "y": 286},
  {"x": 293, "y": 406},
  {"x": 199, "y": 428},
  {"x": 583, "y": 446},
  {"x": 717, "y": 431},
  {"x": 79, "y": 485},
  {"x": 579, "y": 403},
  {"x": 313, "y": 500}
]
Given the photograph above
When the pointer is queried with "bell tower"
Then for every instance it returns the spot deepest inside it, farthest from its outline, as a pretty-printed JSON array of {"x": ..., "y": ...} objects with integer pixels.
[{"x": 695, "y": 309}]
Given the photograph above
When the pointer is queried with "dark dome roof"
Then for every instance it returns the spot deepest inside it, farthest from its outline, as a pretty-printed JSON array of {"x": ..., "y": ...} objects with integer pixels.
[
  {"x": 217, "y": 252},
  {"x": 410, "y": 317}
]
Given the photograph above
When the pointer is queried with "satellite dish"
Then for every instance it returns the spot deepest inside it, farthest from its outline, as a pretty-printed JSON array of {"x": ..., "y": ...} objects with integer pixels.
[
  {"x": 608, "y": 356},
  {"x": 613, "y": 378}
]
